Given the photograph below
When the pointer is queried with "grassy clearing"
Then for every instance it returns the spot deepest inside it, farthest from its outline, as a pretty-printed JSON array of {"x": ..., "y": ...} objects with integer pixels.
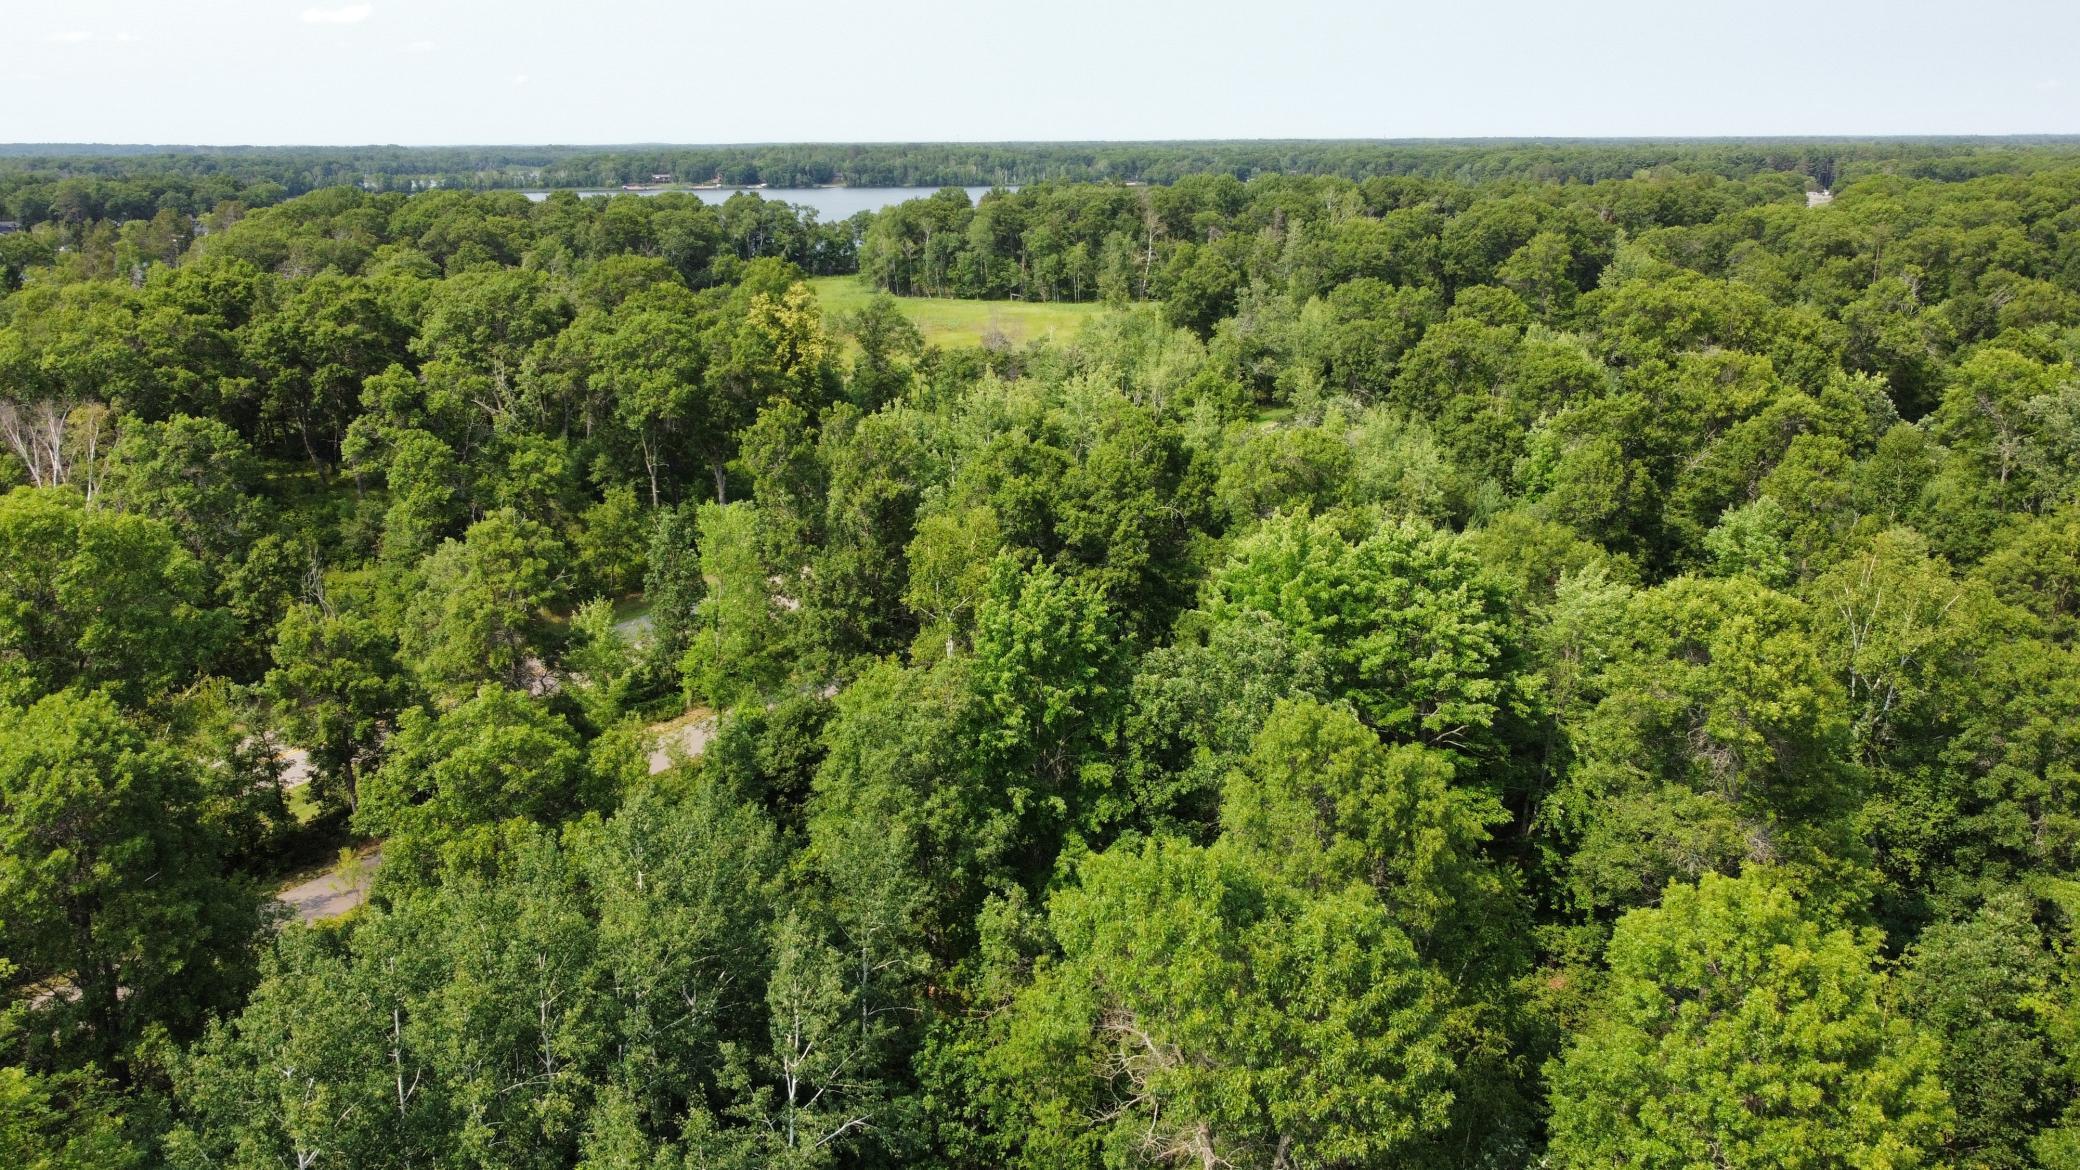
[
  {"x": 954, "y": 323},
  {"x": 302, "y": 805},
  {"x": 632, "y": 619}
]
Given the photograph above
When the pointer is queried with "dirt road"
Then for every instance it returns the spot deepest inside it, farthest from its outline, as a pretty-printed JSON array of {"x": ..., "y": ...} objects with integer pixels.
[{"x": 336, "y": 891}]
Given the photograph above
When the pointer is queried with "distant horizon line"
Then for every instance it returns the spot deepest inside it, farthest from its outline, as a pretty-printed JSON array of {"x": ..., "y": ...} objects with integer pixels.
[{"x": 1440, "y": 140}]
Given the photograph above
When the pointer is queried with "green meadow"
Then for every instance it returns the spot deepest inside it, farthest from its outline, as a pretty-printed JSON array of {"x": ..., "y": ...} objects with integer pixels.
[{"x": 954, "y": 322}]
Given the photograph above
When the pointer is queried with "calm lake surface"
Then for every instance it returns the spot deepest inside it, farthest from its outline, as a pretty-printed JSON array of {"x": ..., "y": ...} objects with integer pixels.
[{"x": 831, "y": 203}]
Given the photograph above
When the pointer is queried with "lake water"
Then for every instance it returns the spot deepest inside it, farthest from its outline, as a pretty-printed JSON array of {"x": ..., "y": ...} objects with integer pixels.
[{"x": 831, "y": 203}]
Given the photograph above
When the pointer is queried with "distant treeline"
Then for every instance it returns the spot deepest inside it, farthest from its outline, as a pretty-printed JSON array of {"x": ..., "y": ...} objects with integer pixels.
[{"x": 76, "y": 182}]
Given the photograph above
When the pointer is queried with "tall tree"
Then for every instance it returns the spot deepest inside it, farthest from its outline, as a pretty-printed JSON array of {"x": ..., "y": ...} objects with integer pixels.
[
  {"x": 95, "y": 598},
  {"x": 337, "y": 688},
  {"x": 113, "y": 894},
  {"x": 479, "y": 603},
  {"x": 1733, "y": 1031},
  {"x": 1205, "y": 1014}
]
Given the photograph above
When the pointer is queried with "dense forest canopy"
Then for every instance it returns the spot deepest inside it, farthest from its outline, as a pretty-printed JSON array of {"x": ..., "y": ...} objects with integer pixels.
[
  {"x": 1491, "y": 655},
  {"x": 73, "y": 181}
]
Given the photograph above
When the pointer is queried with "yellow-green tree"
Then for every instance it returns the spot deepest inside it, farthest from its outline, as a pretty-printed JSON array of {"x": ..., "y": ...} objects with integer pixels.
[{"x": 1735, "y": 1032}]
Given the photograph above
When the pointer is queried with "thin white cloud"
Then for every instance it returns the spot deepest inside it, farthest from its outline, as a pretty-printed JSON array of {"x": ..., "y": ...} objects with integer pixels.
[
  {"x": 346, "y": 14},
  {"x": 519, "y": 79},
  {"x": 70, "y": 36},
  {"x": 419, "y": 47},
  {"x": 129, "y": 38}
]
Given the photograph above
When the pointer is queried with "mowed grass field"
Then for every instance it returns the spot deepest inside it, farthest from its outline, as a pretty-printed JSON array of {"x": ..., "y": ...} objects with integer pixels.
[{"x": 952, "y": 323}]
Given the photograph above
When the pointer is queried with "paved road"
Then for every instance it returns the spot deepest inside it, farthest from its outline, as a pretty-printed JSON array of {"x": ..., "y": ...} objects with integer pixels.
[
  {"x": 296, "y": 767},
  {"x": 335, "y": 891},
  {"x": 684, "y": 741}
]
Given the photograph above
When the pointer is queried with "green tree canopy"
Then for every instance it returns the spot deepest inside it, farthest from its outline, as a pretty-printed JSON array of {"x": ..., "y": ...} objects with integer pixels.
[
  {"x": 1205, "y": 1012},
  {"x": 94, "y": 598},
  {"x": 113, "y": 896},
  {"x": 1733, "y": 1031}
]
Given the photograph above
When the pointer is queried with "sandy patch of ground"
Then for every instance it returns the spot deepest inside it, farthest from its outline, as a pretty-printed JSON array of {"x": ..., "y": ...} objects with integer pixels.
[
  {"x": 296, "y": 766},
  {"x": 337, "y": 890},
  {"x": 684, "y": 738}
]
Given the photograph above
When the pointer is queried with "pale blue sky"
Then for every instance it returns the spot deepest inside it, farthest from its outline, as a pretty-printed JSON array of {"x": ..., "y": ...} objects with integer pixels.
[{"x": 533, "y": 71}]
